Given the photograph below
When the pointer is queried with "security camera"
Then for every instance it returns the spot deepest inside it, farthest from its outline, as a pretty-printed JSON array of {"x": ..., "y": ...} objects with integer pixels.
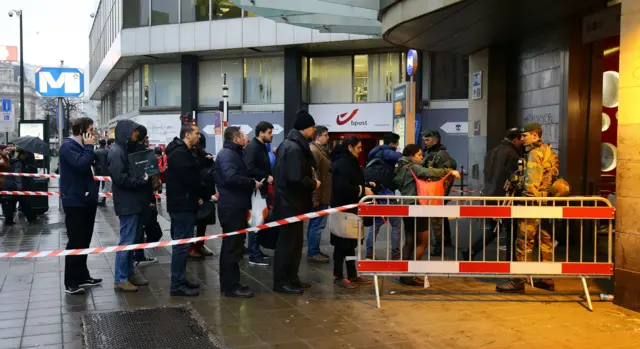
[
  {"x": 92, "y": 15},
  {"x": 10, "y": 13}
]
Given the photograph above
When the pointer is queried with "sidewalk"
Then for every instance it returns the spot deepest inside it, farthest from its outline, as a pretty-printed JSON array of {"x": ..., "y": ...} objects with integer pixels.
[{"x": 453, "y": 313}]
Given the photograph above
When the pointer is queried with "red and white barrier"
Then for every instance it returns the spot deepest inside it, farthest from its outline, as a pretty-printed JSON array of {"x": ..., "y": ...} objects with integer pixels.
[{"x": 47, "y": 175}]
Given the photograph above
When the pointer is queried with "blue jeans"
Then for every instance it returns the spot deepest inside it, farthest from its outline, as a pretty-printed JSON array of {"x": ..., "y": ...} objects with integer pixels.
[
  {"x": 314, "y": 232},
  {"x": 129, "y": 228},
  {"x": 395, "y": 223},
  {"x": 182, "y": 225},
  {"x": 253, "y": 249}
]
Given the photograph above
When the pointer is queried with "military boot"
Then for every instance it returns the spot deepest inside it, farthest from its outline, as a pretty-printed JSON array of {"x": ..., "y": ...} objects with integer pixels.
[{"x": 511, "y": 286}]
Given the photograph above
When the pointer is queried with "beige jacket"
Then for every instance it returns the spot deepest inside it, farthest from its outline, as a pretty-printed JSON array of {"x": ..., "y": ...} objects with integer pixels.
[{"x": 322, "y": 195}]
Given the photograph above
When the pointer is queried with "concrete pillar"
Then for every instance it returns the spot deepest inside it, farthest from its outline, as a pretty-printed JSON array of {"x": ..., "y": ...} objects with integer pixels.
[
  {"x": 488, "y": 114},
  {"x": 292, "y": 86},
  {"x": 627, "y": 239}
]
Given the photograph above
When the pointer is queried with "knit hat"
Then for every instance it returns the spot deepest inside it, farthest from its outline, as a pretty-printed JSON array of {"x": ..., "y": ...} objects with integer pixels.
[{"x": 303, "y": 120}]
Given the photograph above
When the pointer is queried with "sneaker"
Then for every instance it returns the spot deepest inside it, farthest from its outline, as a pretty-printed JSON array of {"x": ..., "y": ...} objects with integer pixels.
[
  {"x": 360, "y": 280},
  {"x": 146, "y": 260},
  {"x": 90, "y": 282},
  {"x": 318, "y": 259},
  {"x": 125, "y": 287},
  {"x": 259, "y": 261},
  {"x": 205, "y": 251},
  {"x": 264, "y": 255},
  {"x": 184, "y": 292},
  {"x": 74, "y": 290},
  {"x": 343, "y": 283},
  {"x": 544, "y": 284},
  {"x": 137, "y": 279}
]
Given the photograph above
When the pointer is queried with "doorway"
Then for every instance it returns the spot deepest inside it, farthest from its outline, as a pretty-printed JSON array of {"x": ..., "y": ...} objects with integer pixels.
[{"x": 369, "y": 141}]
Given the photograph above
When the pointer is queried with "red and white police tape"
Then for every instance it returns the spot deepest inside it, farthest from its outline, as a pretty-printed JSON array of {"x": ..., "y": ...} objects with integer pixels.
[
  {"x": 47, "y": 175},
  {"x": 111, "y": 249},
  {"x": 57, "y": 193}
]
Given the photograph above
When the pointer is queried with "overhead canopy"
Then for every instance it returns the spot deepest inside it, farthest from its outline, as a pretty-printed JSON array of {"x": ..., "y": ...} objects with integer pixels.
[{"x": 327, "y": 16}]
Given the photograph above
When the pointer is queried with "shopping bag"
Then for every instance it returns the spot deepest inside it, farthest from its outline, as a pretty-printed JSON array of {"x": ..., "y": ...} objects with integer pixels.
[
  {"x": 259, "y": 210},
  {"x": 427, "y": 188},
  {"x": 344, "y": 224}
]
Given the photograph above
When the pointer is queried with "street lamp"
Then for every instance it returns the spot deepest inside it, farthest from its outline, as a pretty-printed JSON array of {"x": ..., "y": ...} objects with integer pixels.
[{"x": 19, "y": 14}]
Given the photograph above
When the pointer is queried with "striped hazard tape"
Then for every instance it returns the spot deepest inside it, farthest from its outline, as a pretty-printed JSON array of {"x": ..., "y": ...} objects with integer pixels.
[
  {"x": 57, "y": 193},
  {"x": 111, "y": 249},
  {"x": 47, "y": 175}
]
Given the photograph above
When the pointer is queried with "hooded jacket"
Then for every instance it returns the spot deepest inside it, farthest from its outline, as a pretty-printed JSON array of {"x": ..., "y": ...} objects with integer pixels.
[
  {"x": 387, "y": 153},
  {"x": 348, "y": 179},
  {"x": 77, "y": 187},
  {"x": 184, "y": 187},
  {"x": 293, "y": 177},
  {"x": 232, "y": 179},
  {"x": 130, "y": 194}
]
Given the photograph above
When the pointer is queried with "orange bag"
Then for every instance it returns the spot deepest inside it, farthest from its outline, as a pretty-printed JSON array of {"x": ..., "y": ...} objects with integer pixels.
[{"x": 426, "y": 188}]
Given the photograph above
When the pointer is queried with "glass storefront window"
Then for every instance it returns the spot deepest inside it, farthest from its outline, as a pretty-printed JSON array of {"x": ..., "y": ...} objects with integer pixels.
[
  {"x": 162, "y": 85},
  {"x": 384, "y": 73},
  {"x": 130, "y": 93},
  {"x": 224, "y": 9},
  {"x": 123, "y": 90},
  {"x": 195, "y": 11},
  {"x": 210, "y": 81},
  {"x": 449, "y": 76},
  {"x": 136, "y": 89},
  {"x": 135, "y": 13},
  {"x": 360, "y": 78},
  {"x": 331, "y": 79},
  {"x": 164, "y": 12},
  {"x": 264, "y": 80},
  {"x": 305, "y": 80}
]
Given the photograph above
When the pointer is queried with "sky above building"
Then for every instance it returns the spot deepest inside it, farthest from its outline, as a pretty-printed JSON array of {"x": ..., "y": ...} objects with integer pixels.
[{"x": 53, "y": 30}]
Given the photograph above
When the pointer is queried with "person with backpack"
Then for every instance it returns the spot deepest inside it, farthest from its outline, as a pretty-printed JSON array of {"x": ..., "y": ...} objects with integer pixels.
[
  {"x": 499, "y": 163},
  {"x": 321, "y": 196},
  {"x": 380, "y": 168},
  {"x": 540, "y": 177}
]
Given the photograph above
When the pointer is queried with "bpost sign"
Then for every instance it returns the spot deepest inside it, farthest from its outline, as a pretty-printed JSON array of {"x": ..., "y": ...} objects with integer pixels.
[
  {"x": 358, "y": 117},
  {"x": 60, "y": 82}
]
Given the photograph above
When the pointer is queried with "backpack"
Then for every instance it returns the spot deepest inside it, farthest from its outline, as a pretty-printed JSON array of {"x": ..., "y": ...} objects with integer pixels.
[
  {"x": 559, "y": 186},
  {"x": 380, "y": 172}
]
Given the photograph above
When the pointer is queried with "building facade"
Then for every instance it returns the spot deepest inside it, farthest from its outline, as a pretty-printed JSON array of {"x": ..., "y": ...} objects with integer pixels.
[{"x": 10, "y": 89}]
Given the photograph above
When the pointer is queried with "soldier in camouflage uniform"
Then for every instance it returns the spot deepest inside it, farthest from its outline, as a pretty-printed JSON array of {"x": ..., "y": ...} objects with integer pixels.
[
  {"x": 540, "y": 173},
  {"x": 435, "y": 156}
]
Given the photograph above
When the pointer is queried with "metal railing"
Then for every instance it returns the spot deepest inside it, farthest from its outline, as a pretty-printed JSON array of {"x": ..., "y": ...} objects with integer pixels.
[{"x": 569, "y": 227}]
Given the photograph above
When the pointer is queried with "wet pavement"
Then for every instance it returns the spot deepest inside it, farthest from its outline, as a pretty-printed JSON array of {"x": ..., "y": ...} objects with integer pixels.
[{"x": 453, "y": 313}]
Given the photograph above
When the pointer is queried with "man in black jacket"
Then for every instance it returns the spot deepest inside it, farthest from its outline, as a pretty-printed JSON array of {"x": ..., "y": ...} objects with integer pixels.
[
  {"x": 499, "y": 163},
  {"x": 184, "y": 196},
  {"x": 130, "y": 200},
  {"x": 100, "y": 166},
  {"x": 235, "y": 188},
  {"x": 295, "y": 183},
  {"x": 256, "y": 158}
]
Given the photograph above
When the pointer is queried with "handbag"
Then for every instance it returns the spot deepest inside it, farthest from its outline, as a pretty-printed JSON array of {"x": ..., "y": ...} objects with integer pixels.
[
  {"x": 344, "y": 224},
  {"x": 268, "y": 238},
  {"x": 259, "y": 210},
  {"x": 206, "y": 213},
  {"x": 427, "y": 188}
]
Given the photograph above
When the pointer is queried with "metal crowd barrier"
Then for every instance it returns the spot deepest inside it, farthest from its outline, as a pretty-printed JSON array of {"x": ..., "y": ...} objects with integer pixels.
[{"x": 568, "y": 221}]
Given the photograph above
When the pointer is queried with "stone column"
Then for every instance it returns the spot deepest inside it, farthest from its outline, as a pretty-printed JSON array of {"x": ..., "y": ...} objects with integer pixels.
[{"x": 627, "y": 238}]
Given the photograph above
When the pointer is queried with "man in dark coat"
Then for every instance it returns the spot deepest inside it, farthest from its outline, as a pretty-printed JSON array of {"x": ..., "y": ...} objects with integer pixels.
[
  {"x": 184, "y": 196},
  {"x": 256, "y": 158},
  {"x": 199, "y": 250},
  {"x": 100, "y": 166},
  {"x": 295, "y": 184},
  {"x": 235, "y": 188},
  {"x": 130, "y": 200},
  {"x": 79, "y": 200},
  {"x": 499, "y": 163}
]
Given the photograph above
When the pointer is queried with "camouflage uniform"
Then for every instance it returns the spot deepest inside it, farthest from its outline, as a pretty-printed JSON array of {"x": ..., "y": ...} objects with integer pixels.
[
  {"x": 541, "y": 170},
  {"x": 437, "y": 157}
]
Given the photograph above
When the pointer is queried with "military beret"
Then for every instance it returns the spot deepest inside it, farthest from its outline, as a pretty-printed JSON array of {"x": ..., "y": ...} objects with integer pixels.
[
  {"x": 530, "y": 127},
  {"x": 430, "y": 133}
]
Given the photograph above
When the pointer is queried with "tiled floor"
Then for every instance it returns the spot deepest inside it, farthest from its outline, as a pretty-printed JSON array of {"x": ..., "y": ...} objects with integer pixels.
[{"x": 453, "y": 313}]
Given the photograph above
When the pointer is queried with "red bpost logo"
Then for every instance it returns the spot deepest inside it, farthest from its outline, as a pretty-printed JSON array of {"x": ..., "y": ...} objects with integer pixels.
[{"x": 341, "y": 121}]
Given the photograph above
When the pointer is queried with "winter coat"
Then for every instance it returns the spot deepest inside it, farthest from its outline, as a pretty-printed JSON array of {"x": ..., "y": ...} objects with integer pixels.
[
  {"x": 348, "y": 179},
  {"x": 77, "y": 187},
  {"x": 404, "y": 180},
  {"x": 183, "y": 178},
  {"x": 101, "y": 167},
  {"x": 499, "y": 164},
  {"x": 130, "y": 194},
  {"x": 5, "y": 165},
  {"x": 322, "y": 195},
  {"x": 387, "y": 153},
  {"x": 293, "y": 177},
  {"x": 438, "y": 157},
  {"x": 256, "y": 159},
  {"x": 232, "y": 179}
]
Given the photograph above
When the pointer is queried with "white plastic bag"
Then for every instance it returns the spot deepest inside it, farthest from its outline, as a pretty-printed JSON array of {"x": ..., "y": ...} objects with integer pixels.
[
  {"x": 259, "y": 210},
  {"x": 344, "y": 224}
]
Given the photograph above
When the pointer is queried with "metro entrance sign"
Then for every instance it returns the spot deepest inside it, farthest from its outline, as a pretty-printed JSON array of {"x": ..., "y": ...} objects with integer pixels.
[
  {"x": 7, "y": 122},
  {"x": 60, "y": 82}
]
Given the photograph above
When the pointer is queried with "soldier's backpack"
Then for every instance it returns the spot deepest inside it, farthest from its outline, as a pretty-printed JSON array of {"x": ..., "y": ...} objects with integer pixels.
[{"x": 559, "y": 186}]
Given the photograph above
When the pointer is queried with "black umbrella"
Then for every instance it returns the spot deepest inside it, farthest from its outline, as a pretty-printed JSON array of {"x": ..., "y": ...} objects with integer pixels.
[{"x": 33, "y": 145}]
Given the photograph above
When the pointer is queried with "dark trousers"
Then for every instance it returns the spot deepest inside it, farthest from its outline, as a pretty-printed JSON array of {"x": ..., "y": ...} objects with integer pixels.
[
  {"x": 152, "y": 230},
  {"x": 492, "y": 234},
  {"x": 9, "y": 203},
  {"x": 232, "y": 247},
  {"x": 339, "y": 259},
  {"x": 286, "y": 259},
  {"x": 182, "y": 225},
  {"x": 79, "y": 222}
]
